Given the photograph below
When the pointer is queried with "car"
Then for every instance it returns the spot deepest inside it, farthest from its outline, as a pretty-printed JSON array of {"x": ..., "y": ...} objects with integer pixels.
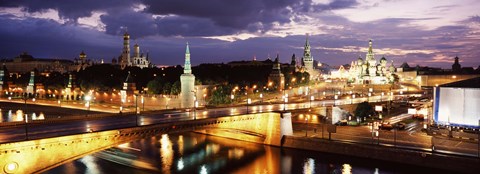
[
  {"x": 386, "y": 126},
  {"x": 342, "y": 123},
  {"x": 418, "y": 116},
  {"x": 400, "y": 125}
]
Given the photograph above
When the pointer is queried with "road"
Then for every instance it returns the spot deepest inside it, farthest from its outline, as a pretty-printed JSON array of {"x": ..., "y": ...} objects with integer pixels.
[{"x": 410, "y": 137}]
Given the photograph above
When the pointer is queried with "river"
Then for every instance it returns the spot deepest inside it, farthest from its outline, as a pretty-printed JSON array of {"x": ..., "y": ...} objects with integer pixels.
[{"x": 197, "y": 153}]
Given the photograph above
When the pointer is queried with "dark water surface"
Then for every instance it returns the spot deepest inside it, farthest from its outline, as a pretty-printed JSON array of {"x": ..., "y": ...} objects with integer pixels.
[{"x": 197, "y": 153}]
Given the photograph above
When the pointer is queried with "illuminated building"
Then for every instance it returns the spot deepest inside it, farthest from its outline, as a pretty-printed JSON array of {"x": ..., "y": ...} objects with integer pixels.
[
  {"x": 276, "y": 78},
  {"x": 129, "y": 88},
  {"x": 139, "y": 59},
  {"x": 369, "y": 71},
  {"x": 456, "y": 103},
  {"x": 307, "y": 60},
  {"x": 3, "y": 82},
  {"x": 187, "y": 82},
  {"x": 81, "y": 62},
  {"x": 25, "y": 63},
  {"x": 31, "y": 83}
]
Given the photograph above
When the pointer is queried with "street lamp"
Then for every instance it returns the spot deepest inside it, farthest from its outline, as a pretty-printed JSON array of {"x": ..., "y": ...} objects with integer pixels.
[
  {"x": 195, "y": 110},
  {"x": 121, "y": 105},
  {"x": 88, "y": 98},
  {"x": 143, "y": 103},
  {"x": 369, "y": 95},
  {"x": 335, "y": 100},
  {"x": 26, "y": 126},
  {"x": 249, "y": 101},
  {"x": 311, "y": 99},
  {"x": 306, "y": 126},
  {"x": 136, "y": 103},
  {"x": 261, "y": 97},
  {"x": 204, "y": 99}
]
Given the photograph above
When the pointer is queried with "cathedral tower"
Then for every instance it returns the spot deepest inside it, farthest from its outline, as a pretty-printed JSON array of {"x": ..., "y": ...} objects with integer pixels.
[
  {"x": 187, "y": 82},
  {"x": 276, "y": 78},
  {"x": 370, "y": 59},
  {"x": 307, "y": 58},
  {"x": 31, "y": 84},
  {"x": 125, "y": 59}
]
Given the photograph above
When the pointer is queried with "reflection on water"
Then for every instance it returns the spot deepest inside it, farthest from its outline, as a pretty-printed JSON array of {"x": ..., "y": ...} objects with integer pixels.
[
  {"x": 309, "y": 166},
  {"x": 90, "y": 164},
  {"x": 19, "y": 115},
  {"x": 346, "y": 169},
  {"x": 198, "y": 153},
  {"x": 166, "y": 153}
]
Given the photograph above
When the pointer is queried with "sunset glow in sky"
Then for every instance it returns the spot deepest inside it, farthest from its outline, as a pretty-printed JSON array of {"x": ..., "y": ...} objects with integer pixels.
[{"x": 426, "y": 32}]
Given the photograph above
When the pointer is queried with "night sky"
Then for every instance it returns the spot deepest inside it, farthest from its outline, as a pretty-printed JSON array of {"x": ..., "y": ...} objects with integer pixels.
[{"x": 424, "y": 32}]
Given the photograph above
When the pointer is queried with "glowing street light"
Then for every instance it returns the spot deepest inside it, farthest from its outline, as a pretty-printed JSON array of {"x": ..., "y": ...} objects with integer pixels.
[
  {"x": 143, "y": 103},
  {"x": 311, "y": 99},
  {"x": 261, "y": 97},
  {"x": 249, "y": 101},
  {"x": 335, "y": 100},
  {"x": 381, "y": 98},
  {"x": 306, "y": 126},
  {"x": 88, "y": 98},
  {"x": 195, "y": 106}
]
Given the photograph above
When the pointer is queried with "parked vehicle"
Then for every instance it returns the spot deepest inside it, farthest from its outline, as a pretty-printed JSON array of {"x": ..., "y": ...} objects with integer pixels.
[
  {"x": 342, "y": 123},
  {"x": 386, "y": 126},
  {"x": 400, "y": 125}
]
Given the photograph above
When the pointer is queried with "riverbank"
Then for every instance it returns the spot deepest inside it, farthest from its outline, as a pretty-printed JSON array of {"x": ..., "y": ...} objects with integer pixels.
[{"x": 385, "y": 153}]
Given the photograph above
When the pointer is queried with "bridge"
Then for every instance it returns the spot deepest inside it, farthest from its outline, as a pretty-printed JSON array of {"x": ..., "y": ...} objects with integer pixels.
[
  {"x": 33, "y": 156},
  {"x": 41, "y": 145}
]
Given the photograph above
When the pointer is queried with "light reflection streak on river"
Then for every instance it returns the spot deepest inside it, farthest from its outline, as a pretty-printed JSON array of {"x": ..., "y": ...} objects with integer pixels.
[{"x": 197, "y": 153}]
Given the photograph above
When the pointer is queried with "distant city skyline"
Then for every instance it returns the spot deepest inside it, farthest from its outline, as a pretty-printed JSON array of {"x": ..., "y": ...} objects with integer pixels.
[{"x": 427, "y": 33}]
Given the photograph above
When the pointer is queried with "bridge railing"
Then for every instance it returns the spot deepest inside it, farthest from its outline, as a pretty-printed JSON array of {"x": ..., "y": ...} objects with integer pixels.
[{"x": 63, "y": 118}]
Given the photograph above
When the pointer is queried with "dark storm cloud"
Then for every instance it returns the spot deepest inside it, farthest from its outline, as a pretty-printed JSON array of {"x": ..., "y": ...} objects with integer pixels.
[
  {"x": 229, "y": 13},
  {"x": 154, "y": 27},
  {"x": 183, "y": 17},
  {"x": 67, "y": 9},
  {"x": 48, "y": 39}
]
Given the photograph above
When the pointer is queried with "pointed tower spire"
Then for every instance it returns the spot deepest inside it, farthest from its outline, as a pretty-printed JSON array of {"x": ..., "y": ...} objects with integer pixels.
[
  {"x": 187, "y": 69},
  {"x": 306, "y": 42},
  {"x": 370, "y": 49}
]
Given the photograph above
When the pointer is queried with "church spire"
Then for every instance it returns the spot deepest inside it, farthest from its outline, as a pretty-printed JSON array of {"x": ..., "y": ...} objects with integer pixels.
[
  {"x": 307, "y": 44},
  {"x": 187, "y": 69},
  {"x": 306, "y": 51},
  {"x": 370, "y": 49}
]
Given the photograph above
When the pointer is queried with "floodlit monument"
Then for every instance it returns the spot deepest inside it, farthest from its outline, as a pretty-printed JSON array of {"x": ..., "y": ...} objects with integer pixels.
[
  {"x": 276, "y": 78},
  {"x": 31, "y": 83},
  {"x": 2, "y": 78},
  {"x": 307, "y": 59},
  {"x": 187, "y": 82},
  {"x": 369, "y": 71},
  {"x": 139, "y": 59}
]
